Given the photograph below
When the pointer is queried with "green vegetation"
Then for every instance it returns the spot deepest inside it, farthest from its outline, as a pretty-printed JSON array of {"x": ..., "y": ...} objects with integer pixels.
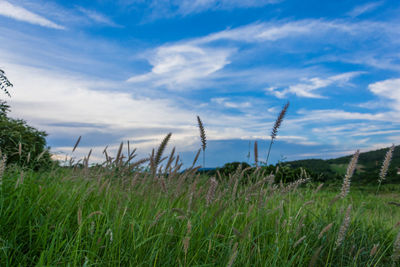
[
  {"x": 368, "y": 168},
  {"x": 122, "y": 213},
  {"x": 24, "y": 145},
  {"x": 110, "y": 216}
]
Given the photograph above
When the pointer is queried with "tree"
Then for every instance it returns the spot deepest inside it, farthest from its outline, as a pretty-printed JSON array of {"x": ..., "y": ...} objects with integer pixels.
[
  {"x": 4, "y": 85},
  {"x": 24, "y": 145}
]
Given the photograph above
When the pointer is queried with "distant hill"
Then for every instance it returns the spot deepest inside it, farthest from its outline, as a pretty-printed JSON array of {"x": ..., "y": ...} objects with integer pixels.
[{"x": 368, "y": 167}]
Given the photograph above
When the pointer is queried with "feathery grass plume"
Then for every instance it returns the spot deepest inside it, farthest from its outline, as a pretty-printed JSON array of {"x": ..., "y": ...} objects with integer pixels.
[
  {"x": 343, "y": 228},
  {"x": 158, "y": 217},
  {"x": 3, "y": 160},
  {"x": 110, "y": 234},
  {"x": 396, "y": 249},
  {"x": 163, "y": 184},
  {"x": 211, "y": 191},
  {"x": 118, "y": 158},
  {"x": 186, "y": 241},
  {"x": 294, "y": 185},
  {"x": 299, "y": 241},
  {"x": 20, "y": 180},
  {"x": 171, "y": 158},
  {"x": 326, "y": 229},
  {"x": 196, "y": 158},
  {"x": 277, "y": 124},
  {"x": 137, "y": 163},
  {"x": 347, "y": 178},
  {"x": 76, "y": 143},
  {"x": 160, "y": 151},
  {"x": 233, "y": 255},
  {"x": 203, "y": 139},
  {"x": 98, "y": 212},
  {"x": 318, "y": 188},
  {"x": 385, "y": 164},
  {"x": 248, "y": 154},
  {"x": 88, "y": 157},
  {"x": 255, "y": 153},
  {"x": 374, "y": 250},
  {"x": 79, "y": 216}
]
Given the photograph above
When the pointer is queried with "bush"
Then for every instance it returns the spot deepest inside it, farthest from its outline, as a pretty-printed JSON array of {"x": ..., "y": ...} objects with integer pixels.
[{"x": 24, "y": 145}]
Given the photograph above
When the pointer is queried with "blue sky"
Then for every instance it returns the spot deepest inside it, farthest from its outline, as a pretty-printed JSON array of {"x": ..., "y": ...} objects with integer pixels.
[{"x": 135, "y": 70}]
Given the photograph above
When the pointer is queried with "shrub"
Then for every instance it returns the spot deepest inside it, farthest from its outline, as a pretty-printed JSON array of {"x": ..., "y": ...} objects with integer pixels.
[{"x": 24, "y": 145}]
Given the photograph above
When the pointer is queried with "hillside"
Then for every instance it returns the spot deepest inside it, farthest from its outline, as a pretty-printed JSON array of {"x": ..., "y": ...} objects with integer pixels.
[{"x": 368, "y": 167}]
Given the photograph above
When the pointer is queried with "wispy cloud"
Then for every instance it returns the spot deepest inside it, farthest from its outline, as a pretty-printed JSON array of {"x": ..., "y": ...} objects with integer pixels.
[
  {"x": 98, "y": 17},
  {"x": 277, "y": 30},
  {"x": 175, "y": 66},
  {"x": 388, "y": 90},
  {"x": 362, "y": 9},
  {"x": 186, "y": 7},
  {"x": 192, "y": 62},
  {"x": 229, "y": 103},
  {"x": 309, "y": 86},
  {"x": 173, "y": 8},
  {"x": 19, "y": 13}
]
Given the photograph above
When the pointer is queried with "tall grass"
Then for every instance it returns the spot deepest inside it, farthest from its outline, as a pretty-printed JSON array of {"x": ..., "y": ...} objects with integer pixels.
[
  {"x": 274, "y": 131},
  {"x": 203, "y": 139},
  {"x": 116, "y": 215}
]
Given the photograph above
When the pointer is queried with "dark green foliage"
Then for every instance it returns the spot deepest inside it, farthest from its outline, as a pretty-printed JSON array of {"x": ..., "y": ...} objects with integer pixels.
[
  {"x": 231, "y": 167},
  {"x": 368, "y": 167},
  {"x": 4, "y": 85},
  {"x": 4, "y": 108},
  {"x": 318, "y": 169},
  {"x": 33, "y": 154},
  {"x": 22, "y": 144}
]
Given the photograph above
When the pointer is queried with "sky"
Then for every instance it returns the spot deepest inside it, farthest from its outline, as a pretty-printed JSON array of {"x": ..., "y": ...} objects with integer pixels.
[{"x": 113, "y": 71}]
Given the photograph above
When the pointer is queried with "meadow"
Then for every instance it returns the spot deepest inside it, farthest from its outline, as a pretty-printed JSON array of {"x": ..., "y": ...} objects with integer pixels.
[{"x": 151, "y": 213}]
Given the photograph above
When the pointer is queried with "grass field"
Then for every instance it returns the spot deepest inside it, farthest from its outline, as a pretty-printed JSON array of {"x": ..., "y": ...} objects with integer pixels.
[{"x": 105, "y": 217}]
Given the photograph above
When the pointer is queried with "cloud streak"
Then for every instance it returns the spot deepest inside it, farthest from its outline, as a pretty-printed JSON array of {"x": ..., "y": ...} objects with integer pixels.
[
  {"x": 309, "y": 86},
  {"x": 21, "y": 14},
  {"x": 98, "y": 17},
  {"x": 362, "y": 9},
  {"x": 177, "y": 66},
  {"x": 388, "y": 90}
]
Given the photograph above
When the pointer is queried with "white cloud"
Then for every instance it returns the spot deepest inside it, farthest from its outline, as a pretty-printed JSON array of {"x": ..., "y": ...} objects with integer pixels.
[
  {"x": 277, "y": 30},
  {"x": 309, "y": 86},
  {"x": 176, "y": 66},
  {"x": 190, "y": 62},
  {"x": 172, "y": 8},
  {"x": 389, "y": 90},
  {"x": 362, "y": 9},
  {"x": 98, "y": 17},
  {"x": 66, "y": 106},
  {"x": 47, "y": 99},
  {"x": 332, "y": 115},
  {"x": 228, "y": 103},
  {"x": 186, "y": 7},
  {"x": 19, "y": 13}
]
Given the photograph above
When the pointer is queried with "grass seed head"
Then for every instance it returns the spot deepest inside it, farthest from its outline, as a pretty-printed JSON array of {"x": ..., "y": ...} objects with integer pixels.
[
  {"x": 211, "y": 191},
  {"x": 343, "y": 228},
  {"x": 347, "y": 178},
  {"x": 396, "y": 248},
  {"x": 326, "y": 229},
  {"x": 385, "y": 164}
]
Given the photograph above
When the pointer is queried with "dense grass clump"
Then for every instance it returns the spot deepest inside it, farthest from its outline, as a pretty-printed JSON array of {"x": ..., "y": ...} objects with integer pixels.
[{"x": 106, "y": 216}]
